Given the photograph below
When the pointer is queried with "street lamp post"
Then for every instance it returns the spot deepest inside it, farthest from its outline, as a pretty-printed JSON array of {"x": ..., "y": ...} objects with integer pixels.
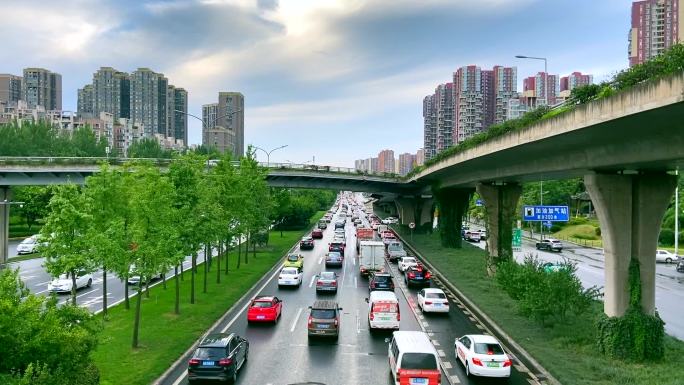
[
  {"x": 268, "y": 153},
  {"x": 4, "y": 226}
]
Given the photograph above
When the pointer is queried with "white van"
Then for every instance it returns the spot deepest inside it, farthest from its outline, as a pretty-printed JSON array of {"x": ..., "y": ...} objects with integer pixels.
[
  {"x": 413, "y": 359},
  {"x": 383, "y": 310}
]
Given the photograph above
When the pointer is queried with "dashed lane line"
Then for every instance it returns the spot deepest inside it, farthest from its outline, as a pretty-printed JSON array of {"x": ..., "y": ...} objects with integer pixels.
[{"x": 294, "y": 322}]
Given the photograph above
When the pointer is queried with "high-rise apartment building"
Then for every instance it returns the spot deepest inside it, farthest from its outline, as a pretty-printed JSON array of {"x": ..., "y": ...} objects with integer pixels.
[
  {"x": 180, "y": 124},
  {"x": 469, "y": 103},
  {"x": 656, "y": 26},
  {"x": 420, "y": 157},
  {"x": 111, "y": 93},
  {"x": 444, "y": 105},
  {"x": 575, "y": 79},
  {"x": 430, "y": 126},
  {"x": 226, "y": 115},
  {"x": 505, "y": 88},
  {"x": 386, "y": 161},
  {"x": 86, "y": 102},
  {"x": 543, "y": 87},
  {"x": 406, "y": 163},
  {"x": 148, "y": 100},
  {"x": 10, "y": 89},
  {"x": 230, "y": 102},
  {"x": 374, "y": 165},
  {"x": 41, "y": 87}
]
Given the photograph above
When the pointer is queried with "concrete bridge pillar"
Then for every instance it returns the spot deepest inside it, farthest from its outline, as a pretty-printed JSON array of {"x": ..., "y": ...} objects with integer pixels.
[
  {"x": 501, "y": 202},
  {"x": 453, "y": 204},
  {"x": 630, "y": 209},
  {"x": 414, "y": 209},
  {"x": 5, "y": 198}
]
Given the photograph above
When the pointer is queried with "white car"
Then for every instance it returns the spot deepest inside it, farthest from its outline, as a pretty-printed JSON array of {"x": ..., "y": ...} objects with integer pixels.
[
  {"x": 433, "y": 300},
  {"x": 28, "y": 245},
  {"x": 134, "y": 277},
  {"x": 405, "y": 262},
  {"x": 665, "y": 256},
  {"x": 63, "y": 283},
  {"x": 482, "y": 355},
  {"x": 290, "y": 276}
]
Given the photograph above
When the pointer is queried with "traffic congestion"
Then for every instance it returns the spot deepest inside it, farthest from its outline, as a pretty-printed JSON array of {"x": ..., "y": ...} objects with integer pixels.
[{"x": 348, "y": 305}]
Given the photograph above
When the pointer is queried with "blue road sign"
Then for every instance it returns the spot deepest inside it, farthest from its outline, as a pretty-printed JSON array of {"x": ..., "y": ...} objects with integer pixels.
[
  {"x": 546, "y": 213},
  {"x": 548, "y": 224},
  {"x": 478, "y": 202}
]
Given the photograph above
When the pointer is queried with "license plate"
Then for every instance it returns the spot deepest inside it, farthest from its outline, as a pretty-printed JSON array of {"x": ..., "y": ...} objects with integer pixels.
[
  {"x": 261, "y": 316},
  {"x": 323, "y": 326},
  {"x": 207, "y": 363},
  {"x": 385, "y": 319},
  {"x": 415, "y": 381},
  {"x": 492, "y": 364},
  {"x": 437, "y": 304}
]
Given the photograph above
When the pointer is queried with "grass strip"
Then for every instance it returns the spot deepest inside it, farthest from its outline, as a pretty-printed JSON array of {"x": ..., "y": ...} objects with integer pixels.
[
  {"x": 566, "y": 350},
  {"x": 164, "y": 336}
]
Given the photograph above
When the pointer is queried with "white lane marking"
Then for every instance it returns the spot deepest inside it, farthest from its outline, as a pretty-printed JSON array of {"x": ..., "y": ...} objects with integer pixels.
[
  {"x": 294, "y": 323},
  {"x": 435, "y": 342},
  {"x": 40, "y": 292},
  {"x": 356, "y": 283},
  {"x": 313, "y": 277},
  {"x": 447, "y": 364},
  {"x": 441, "y": 353},
  {"x": 358, "y": 322},
  {"x": 320, "y": 260},
  {"x": 455, "y": 380}
]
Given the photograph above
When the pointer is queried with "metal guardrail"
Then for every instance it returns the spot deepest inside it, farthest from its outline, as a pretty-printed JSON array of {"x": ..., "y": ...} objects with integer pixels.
[{"x": 71, "y": 160}]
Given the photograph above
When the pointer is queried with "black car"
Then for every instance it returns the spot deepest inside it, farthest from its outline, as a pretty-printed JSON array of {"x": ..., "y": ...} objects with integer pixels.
[
  {"x": 307, "y": 243},
  {"x": 337, "y": 246},
  {"x": 417, "y": 275},
  {"x": 218, "y": 357},
  {"x": 680, "y": 266},
  {"x": 381, "y": 281}
]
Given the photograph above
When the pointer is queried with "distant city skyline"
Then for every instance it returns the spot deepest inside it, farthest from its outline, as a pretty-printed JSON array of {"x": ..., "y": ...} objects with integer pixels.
[{"x": 368, "y": 81}]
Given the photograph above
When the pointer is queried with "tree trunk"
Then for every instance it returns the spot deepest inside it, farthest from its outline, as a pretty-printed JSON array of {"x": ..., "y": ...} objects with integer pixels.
[
  {"x": 249, "y": 239},
  {"x": 176, "y": 308},
  {"x": 192, "y": 277},
  {"x": 136, "y": 324},
  {"x": 206, "y": 267},
  {"x": 73, "y": 287},
  {"x": 164, "y": 280},
  {"x": 104, "y": 291},
  {"x": 127, "y": 300},
  {"x": 254, "y": 250},
  {"x": 226, "y": 261},
  {"x": 239, "y": 251},
  {"x": 218, "y": 262},
  {"x": 181, "y": 269},
  {"x": 147, "y": 287}
]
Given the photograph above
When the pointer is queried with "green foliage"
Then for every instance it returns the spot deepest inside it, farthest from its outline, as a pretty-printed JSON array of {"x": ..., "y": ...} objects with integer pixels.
[
  {"x": 36, "y": 200},
  {"x": 41, "y": 139},
  {"x": 148, "y": 148},
  {"x": 293, "y": 208},
  {"x": 666, "y": 237},
  {"x": 636, "y": 336},
  {"x": 542, "y": 294},
  {"x": 43, "y": 343}
]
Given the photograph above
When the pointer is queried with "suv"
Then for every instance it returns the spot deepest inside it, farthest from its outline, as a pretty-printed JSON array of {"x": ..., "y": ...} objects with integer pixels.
[
  {"x": 324, "y": 319},
  {"x": 218, "y": 357},
  {"x": 339, "y": 224},
  {"x": 550, "y": 244},
  {"x": 380, "y": 281}
]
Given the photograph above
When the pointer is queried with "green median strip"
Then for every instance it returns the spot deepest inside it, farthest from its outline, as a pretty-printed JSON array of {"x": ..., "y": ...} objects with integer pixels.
[
  {"x": 165, "y": 336},
  {"x": 566, "y": 350}
]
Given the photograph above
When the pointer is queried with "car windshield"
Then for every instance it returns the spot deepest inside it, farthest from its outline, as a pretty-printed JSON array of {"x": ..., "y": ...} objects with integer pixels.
[
  {"x": 418, "y": 361},
  {"x": 489, "y": 349},
  {"x": 306, "y": 239},
  {"x": 209, "y": 353},
  {"x": 327, "y": 275},
  {"x": 292, "y": 258},
  {"x": 435, "y": 295},
  {"x": 382, "y": 279},
  {"x": 333, "y": 255},
  {"x": 28, "y": 241},
  {"x": 262, "y": 304},
  {"x": 395, "y": 247},
  {"x": 409, "y": 260},
  {"x": 323, "y": 313},
  {"x": 289, "y": 272}
]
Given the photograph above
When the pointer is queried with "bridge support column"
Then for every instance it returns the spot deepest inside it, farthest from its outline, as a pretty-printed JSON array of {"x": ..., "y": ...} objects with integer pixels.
[
  {"x": 500, "y": 203},
  {"x": 630, "y": 209},
  {"x": 406, "y": 209},
  {"x": 453, "y": 204},
  {"x": 414, "y": 209},
  {"x": 5, "y": 198}
]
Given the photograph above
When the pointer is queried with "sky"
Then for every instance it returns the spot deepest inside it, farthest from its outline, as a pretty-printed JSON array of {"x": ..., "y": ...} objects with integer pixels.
[{"x": 334, "y": 80}]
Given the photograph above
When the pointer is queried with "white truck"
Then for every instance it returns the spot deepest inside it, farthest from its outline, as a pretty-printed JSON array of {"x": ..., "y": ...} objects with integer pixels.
[{"x": 371, "y": 257}]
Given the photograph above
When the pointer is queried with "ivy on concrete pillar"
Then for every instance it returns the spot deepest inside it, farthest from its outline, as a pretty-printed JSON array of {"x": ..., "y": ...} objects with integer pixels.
[
  {"x": 453, "y": 204},
  {"x": 501, "y": 202}
]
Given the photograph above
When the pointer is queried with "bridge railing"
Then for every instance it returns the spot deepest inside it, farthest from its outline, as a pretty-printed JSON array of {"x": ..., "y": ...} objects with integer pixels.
[{"x": 93, "y": 161}]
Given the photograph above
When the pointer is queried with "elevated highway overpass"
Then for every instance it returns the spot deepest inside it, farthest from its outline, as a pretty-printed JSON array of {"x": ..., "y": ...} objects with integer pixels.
[{"x": 624, "y": 146}]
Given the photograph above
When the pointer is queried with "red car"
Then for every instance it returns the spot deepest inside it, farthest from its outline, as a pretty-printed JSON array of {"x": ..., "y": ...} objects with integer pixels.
[
  {"x": 317, "y": 234},
  {"x": 265, "y": 309}
]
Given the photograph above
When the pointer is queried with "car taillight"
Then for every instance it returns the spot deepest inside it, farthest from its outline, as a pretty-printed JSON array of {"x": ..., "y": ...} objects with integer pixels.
[
  {"x": 477, "y": 361},
  {"x": 310, "y": 321},
  {"x": 193, "y": 362},
  {"x": 398, "y": 315},
  {"x": 225, "y": 362},
  {"x": 372, "y": 316},
  {"x": 507, "y": 363},
  {"x": 427, "y": 275},
  {"x": 336, "y": 322},
  {"x": 319, "y": 283},
  {"x": 411, "y": 275},
  {"x": 428, "y": 302},
  {"x": 334, "y": 283},
  {"x": 372, "y": 285}
]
